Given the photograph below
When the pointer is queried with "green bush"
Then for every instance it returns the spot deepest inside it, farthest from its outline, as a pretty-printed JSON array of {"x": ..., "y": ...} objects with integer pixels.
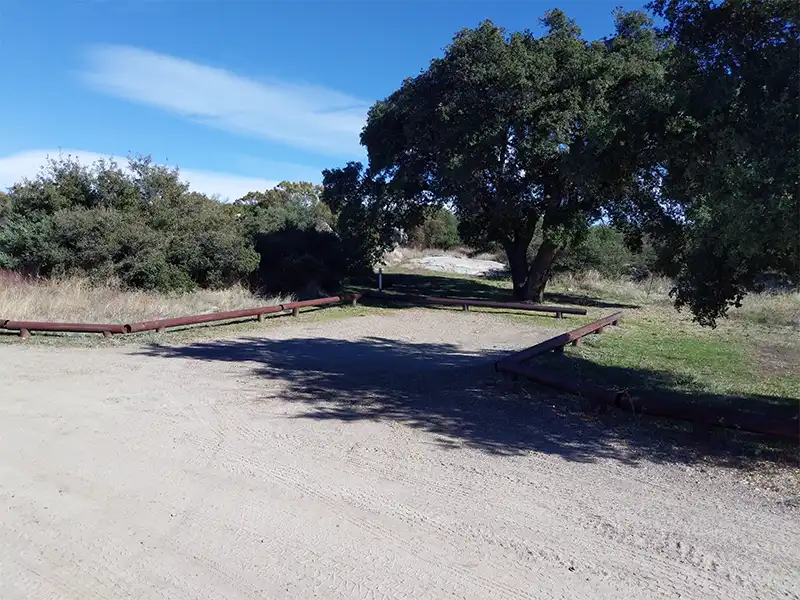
[
  {"x": 303, "y": 262},
  {"x": 438, "y": 230},
  {"x": 603, "y": 249},
  {"x": 141, "y": 226},
  {"x": 287, "y": 205},
  {"x": 292, "y": 229}
]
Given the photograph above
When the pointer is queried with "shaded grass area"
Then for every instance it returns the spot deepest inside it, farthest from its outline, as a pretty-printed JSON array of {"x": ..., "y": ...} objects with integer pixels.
[
  {"x": 481, "y": 288},
  {"x": 650, "y": 362},
  {"x": 743, "y": 364},
  {"x": 426, "y": 283}
]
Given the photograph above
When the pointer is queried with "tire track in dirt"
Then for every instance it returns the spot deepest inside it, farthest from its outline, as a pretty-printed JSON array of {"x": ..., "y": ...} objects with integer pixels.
[
  {"x": 369, "y": 504},
  {"x": 630, "y": 543},
  {"x": 219, "y": 490}
]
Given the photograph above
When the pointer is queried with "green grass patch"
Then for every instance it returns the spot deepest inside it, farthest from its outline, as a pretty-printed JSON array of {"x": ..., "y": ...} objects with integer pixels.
[
  {"x": 648, "y": 352},
  {"x": 745, "y": 362}
]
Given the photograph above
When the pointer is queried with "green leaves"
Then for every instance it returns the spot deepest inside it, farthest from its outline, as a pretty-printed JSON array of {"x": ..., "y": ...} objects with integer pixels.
[
  {"x": 366, "y": 215},
  {"x": 517, "y": 131},
  {"x": 439, "y": 229},
  {"x": 140, "y": 226},
  {"x": 288, "y": 204},
  {"x": 731, "y": 149}
]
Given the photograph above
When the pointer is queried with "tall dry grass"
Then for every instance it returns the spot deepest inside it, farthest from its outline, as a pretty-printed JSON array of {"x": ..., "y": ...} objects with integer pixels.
[
  {"x": 653, "y": 290},
  {"x": 77, "y": 300},
  {"x": 768, "y": 308}
]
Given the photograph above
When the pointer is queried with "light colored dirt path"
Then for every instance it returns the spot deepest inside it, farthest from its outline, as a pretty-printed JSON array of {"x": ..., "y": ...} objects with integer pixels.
[{"x": 320, "y": 463}]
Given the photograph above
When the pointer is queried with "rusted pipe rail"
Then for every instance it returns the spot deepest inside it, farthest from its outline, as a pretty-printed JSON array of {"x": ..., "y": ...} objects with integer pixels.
[
  {"x": 25, "y": 327},
  {"x": 107, "y": 329},
  {"x": 465, "y": 303},
  {"x": 557, "y": 343},
  {"x": 597, "y": 395},
  {"x": 594, "y": 393},
  {"x": 161, "y": 324},
  {"x": 698, "y": 415},
  {"x": 709, "y": 416}
]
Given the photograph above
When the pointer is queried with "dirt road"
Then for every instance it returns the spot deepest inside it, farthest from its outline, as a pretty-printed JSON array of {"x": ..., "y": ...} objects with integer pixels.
[{"x": 372, "y": 457}]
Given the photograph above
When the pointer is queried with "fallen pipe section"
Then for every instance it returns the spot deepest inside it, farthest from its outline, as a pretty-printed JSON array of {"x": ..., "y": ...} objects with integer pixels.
[
  {"x": 108, "y": 329},
  {"x": 603, "y": 397},
  {"x": 465, "y": 303}
]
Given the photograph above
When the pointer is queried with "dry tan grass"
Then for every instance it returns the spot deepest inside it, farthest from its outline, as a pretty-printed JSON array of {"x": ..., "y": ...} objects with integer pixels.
[
  {"x": 77, "y": 300},
  {"x": 770, "y": 309},
  {"x": 654, "y": 290}
]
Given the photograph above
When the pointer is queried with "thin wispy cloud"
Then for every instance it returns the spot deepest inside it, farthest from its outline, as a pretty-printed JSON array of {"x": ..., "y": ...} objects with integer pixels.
[
  {"x": 305, "y": 116},
  {"x": 16, "y": 167}
]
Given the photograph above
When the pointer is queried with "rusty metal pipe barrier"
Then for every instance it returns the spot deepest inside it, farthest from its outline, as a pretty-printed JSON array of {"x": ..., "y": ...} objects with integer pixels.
[
  {"x": 557, "y": 343},
  {"x": 162, "y": 324},
  {"x": 108, "y": 329},
  {"x": 705, "y": 417},
  {"x": 26, "y": 327},
  {"x": 702, "y": 417},
  {"x": 465, "y": 303}
]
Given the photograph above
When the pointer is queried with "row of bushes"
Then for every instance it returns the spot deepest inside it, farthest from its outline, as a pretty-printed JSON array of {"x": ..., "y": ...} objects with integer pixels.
[{"x": 143, "y": 227}]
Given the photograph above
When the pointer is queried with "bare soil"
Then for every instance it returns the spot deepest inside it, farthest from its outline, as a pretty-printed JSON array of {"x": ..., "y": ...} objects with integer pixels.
[{"x": 370, "y": 457}]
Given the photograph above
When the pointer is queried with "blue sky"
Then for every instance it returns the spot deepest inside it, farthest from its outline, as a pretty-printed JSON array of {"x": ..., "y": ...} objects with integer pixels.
[{"x": 240, "y": 94}]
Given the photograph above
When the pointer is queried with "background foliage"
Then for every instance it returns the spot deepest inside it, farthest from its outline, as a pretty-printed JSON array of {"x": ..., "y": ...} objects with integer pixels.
[
  {"x": 439, "y": 230},
  {"x": 683, "y": 140},
  {"x": 140, "y": 225}
]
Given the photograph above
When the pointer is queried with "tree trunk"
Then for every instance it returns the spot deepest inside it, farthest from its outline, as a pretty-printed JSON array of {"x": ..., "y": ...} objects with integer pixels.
[
  {"x": 517, "y": 254},
  {"x": 539, "y": 272},
  {"x": 530, "y": 281}
]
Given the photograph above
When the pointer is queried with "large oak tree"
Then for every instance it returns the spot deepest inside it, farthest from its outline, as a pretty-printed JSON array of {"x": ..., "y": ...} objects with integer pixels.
[
  {"x": 518, "y": 132},
  {"x": 731, "y": 151}
]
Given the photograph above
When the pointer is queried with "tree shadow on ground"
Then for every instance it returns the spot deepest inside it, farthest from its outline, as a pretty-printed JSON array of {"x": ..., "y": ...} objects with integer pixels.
[
  {"x": 678, "y": 390},
  {"x": 585, "y": 300},
  {"x": 426, "y": 284},
  {"x": 451, "y": 393}
]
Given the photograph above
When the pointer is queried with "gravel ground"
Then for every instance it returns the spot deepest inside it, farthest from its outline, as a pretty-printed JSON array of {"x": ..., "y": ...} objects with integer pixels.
[{"x": 370, "y": 457}]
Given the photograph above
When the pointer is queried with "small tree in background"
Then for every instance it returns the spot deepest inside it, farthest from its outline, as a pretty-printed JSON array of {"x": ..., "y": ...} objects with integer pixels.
[
  {"x": 438, "y": 230},
  {"x": 603, "y": 249},
  {"x": 289, "y": 204},
  {"x": 366, "y": 214}
]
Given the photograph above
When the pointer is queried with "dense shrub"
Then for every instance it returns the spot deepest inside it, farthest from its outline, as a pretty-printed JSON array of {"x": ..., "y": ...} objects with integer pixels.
[
  {"x": 293, "y": 232},
  {"x": 141, "y": 226},
  {"x": 287, "y": 205},
  {"x": 603, "y": 249},
  {"x": 438, "y": 230},
  {"x": 304, "y": 262}
]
